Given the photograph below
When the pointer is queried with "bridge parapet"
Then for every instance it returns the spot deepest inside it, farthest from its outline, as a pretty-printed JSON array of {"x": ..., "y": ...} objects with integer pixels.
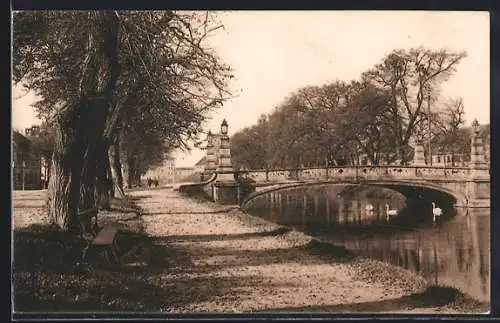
[
  {"x": 470, "y": 186},
  {"x": 367, "y": 173},
  {"x": 314, "y": 173},
  {"x": 279, "y": 175}
]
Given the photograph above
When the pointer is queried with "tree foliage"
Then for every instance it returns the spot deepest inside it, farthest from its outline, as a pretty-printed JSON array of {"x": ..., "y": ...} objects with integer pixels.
[
  {"x": 43, "y": 141},
  {"x": 371, "y": 119},
  {"x": 110, "y": 77}
]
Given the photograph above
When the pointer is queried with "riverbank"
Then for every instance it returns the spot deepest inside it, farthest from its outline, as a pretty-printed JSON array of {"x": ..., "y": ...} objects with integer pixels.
[
  {"x": 210, "y": 258},
  {"x": 248, "y": 264}
]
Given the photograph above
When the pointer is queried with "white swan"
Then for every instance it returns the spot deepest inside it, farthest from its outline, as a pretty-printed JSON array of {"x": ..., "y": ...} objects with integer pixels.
[
  {"x": 436, "y": 212},
  {"x": 390, "y": 212}
]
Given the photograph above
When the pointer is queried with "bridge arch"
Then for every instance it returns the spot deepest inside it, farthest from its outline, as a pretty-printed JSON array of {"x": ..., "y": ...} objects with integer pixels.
[
  {"x": 429, "y": 190},
  {"x": 408, "y": 189}
]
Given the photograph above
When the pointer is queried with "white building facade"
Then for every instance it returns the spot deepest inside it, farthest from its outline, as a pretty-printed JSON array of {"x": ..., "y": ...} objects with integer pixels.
[{"x": 164, "y": 174}]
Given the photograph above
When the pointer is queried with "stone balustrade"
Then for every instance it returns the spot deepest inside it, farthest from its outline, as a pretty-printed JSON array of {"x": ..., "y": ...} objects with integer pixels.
[
  {"x": 468, "y": 186},
  {"x": 364, "y": 173}
]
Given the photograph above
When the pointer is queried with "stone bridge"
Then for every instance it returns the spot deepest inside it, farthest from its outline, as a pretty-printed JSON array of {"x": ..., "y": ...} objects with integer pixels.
[
  {"x": 459, "y": 186},
  {"x": 466, "y": 187}
]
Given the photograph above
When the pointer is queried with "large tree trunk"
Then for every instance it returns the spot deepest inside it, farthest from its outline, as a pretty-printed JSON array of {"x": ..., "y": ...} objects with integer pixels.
[
  {"x": 66, "y": 168},
  {"x": 126, "y": 173},
  {"x": 129, "y": 177},
  {"x": 100, "y": 82},
  {"x": 49, "y": 168},
  {"x": 63, "y": 192},
  {"x": 88, "y": 186},
  {"x": 124, "y": 161},
  {"x": 132, "y": 172},
  {"x": 116, "y": 168},
  {"x": 137, "y": 176},
  {"x": 92, "y": 181},
  {"x": 104, "y": 180},
  {"x": 111, "y": 182},
  {"x": 73, "y": 178}
]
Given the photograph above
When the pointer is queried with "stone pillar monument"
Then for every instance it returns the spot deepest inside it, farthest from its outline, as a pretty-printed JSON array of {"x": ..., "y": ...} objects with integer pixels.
[
  {"x": 224, "y": 170},
  {"x": 211, "y": 164},
  {"x": 479, "y": 180},
  {"x": 419, "y": 153},
  {"x": 477, "y": 147},
  {"x": 419, "y": 159},
  {"x": 226, "y": 189}
]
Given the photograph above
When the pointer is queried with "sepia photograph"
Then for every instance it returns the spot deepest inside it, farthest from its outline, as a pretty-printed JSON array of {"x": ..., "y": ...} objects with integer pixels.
[{"x": 180, "y": 162}]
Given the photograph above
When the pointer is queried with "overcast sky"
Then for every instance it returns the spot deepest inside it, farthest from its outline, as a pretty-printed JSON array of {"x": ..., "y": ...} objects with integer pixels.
[{"x": 274, "y": 53}]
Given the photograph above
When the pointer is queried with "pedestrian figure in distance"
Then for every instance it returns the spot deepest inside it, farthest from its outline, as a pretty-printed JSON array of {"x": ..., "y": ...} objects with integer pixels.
[
  {"x": 156, "y": 182},
  {"x": 150, "y": 182}
]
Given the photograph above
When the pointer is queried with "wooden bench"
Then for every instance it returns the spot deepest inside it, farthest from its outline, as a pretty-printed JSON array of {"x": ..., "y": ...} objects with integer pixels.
[
  {"x": 103, "y": 239},
  {"x": 85, "y": 217},
  {"x": 106, "y": 238}
]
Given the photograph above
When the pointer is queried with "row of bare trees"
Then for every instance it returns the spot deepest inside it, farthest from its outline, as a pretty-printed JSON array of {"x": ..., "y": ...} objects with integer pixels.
[
  {"x": 376, "y": 116},
  {"x": 117, "y": 88}
]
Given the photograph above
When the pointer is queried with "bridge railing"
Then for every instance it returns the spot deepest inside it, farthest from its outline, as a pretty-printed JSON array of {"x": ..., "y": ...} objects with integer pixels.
[{"x": 364, "y": 172}]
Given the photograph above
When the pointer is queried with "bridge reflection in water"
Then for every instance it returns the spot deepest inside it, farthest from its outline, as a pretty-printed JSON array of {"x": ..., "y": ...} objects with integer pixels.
[{"x": 454, "y": 251}]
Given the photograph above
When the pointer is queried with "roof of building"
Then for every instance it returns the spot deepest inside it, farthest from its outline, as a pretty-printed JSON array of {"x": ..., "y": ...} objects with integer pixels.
[{"x": 202, "y": 161}]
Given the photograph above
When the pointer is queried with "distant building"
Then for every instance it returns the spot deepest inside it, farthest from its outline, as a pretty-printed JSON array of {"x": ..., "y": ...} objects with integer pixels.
[
  {"x": 183, "y": 174},
  {"x": 165, "y": 174},
  {"x": 383, "y": 159},
  {"x": 201, "y": 164},
  {"x": 32, "y": 131},
  {"x": 450, "y": 160},
  {"x": 443, "y": 157},
  {"x": 26, "y": 162},
  {"x": 199, "y": 167}
]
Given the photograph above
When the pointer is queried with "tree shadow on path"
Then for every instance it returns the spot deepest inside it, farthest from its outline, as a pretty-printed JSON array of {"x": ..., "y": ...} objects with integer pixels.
[
  {"x": 432, "y": 297},
  {"x": 47, "y": 281}
]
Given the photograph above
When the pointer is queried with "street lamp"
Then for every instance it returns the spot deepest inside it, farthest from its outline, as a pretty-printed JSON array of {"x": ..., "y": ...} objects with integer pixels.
[
  {"x": 475, "y": 127},
  {"x": 223, "y": 127},
  {"x": 209, "y": 138}
]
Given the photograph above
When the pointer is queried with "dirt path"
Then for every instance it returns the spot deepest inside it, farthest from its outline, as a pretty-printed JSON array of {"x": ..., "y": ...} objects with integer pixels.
[{"x": 222, "y": 260}]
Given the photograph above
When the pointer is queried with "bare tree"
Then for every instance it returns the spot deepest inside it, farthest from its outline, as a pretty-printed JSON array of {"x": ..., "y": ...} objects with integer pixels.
[
  {"x": 448, "y": 122},
  {"x": 413, "y": 78}
]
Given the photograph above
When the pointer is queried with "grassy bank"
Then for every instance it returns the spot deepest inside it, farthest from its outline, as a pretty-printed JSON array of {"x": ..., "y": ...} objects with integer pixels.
[{"x": 49, "y": 274}]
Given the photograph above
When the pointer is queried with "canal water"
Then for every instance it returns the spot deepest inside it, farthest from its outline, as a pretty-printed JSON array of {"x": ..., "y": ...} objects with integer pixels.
[{"x": 453, "y": 250}]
